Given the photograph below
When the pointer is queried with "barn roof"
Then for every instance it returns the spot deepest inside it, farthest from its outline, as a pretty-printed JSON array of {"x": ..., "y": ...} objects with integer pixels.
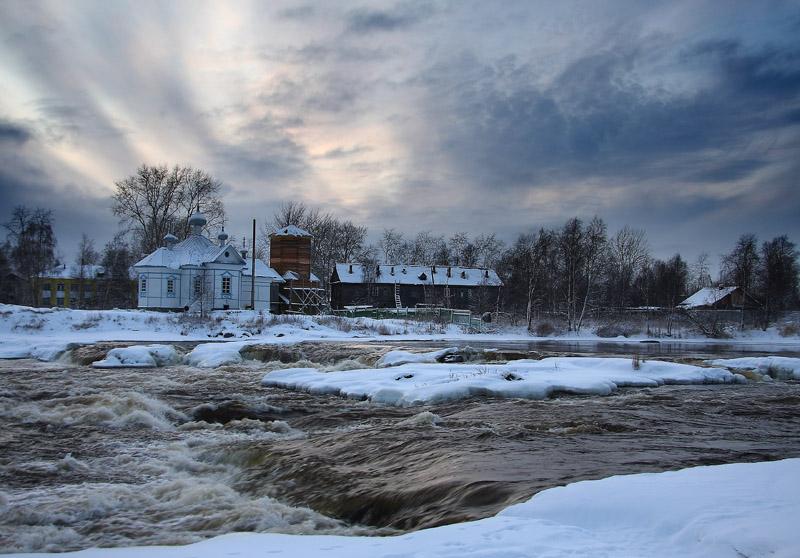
[
  {"x": 420, "y": 275},
  {"x": 708, "y": 296}
]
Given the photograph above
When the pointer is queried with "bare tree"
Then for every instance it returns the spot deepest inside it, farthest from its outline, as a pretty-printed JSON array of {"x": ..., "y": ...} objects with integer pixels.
[
  {"x": 778, "y": 276},
  {"x": 700, "y": 272},
  {"x": 628, "y": 252},
  {"x": 458, "y": 243},
  {"x": 118, "y": 259},
  {"x": 595, "y": 244},
  {"x": 85, "y": 259},
  {"x": 570, "y": 243},
  {"x": 32, "y": 246},
  {"x": 158, "y": 200},
  {"x": 739, "y": 268},
  {"x": 333, "y": 240},
  {"x": 390, "y": 244}
]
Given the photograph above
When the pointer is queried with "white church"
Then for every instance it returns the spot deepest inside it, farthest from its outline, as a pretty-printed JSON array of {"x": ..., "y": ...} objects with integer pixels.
[{"x": 198, "y": 275}]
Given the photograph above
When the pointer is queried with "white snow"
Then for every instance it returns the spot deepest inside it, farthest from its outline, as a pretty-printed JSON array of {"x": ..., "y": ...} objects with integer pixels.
[
  {"x": 781, "y": 368},
  {"x": 424, "y": 384},
  {"x": 214, "y": 355},
  {"x": 396, "y": 358},
  {"x": 725, "y": 511},
  {"x": 149, "y": 356}
]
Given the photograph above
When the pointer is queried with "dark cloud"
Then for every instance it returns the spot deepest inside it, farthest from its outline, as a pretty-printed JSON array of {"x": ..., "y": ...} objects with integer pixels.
[
  {"x": 13, "y": 133},
  {"x": 341, "y": 152},
  {"x": 403, "y": 16},
  {"x": 329, "y": 92},
  {"x": 264, "y": 150},
  {"x": 298, "y": 12},
  {"x": 596, "y": 120}
]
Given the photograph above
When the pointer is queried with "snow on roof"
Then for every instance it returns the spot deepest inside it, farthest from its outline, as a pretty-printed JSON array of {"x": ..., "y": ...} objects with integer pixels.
[
  {"x": 421, "y": 275},
  {"x": 291, "y": 230},
  {"x": 65, "y": 271},
  {"x": 707, "y": 296},
  {"x": 262, "y": 270},
  {"x": 194, "y": 251}
]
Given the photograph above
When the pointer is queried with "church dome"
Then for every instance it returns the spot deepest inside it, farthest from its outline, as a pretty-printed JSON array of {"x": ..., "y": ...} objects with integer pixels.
[{"x": 197, "y": 220}]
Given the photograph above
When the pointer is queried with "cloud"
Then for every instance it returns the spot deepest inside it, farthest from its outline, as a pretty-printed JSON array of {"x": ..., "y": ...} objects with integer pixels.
[
  {"x": 402, "y": 17},
  {"x": 596, "y": 120},
  {"x": 13, "y": 133}
]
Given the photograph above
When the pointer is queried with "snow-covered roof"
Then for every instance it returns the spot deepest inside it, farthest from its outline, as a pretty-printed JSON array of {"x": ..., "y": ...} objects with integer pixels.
[
  {"x": 707, "y": 296},
  {"x": 421, "y": 275},
  {"x": 262, "y": 270},
  {"x": 194, "y": 251},
  {"x": 65, "y": 271},
  {"x": 291, "y": 230}
]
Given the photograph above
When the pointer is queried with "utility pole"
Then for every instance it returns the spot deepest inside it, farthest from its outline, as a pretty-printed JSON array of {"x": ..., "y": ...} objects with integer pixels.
[{"x": 253, "y": 268}]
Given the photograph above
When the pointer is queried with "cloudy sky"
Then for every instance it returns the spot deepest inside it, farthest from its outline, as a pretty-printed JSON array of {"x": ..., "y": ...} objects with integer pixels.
[{"x": 681, "y": 118}]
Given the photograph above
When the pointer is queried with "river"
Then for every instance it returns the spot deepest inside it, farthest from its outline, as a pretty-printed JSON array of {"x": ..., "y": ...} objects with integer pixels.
[{"x": 173, "y": 455}]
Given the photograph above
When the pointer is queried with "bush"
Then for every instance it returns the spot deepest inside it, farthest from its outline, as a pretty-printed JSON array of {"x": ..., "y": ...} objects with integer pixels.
[
  {"x": 617, "y": 329},
  {"x": 545, "y": 329}
]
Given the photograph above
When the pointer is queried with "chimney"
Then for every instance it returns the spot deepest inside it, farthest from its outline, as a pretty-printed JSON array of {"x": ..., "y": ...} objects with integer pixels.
[
  {"x": 449, "y": 271},
  {"x": 351, "y": 268},
  {"x": 244, "y": 249},
  {"x": 377, "y": 269},
  {"x": 486, "y": 273}
]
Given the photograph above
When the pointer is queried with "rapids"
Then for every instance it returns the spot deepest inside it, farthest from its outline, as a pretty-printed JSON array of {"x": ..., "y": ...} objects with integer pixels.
[{"x": 96, "y": 457}]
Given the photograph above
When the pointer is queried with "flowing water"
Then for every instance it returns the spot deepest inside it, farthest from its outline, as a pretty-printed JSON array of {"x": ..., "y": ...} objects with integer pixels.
[{"x": 173, "y": 455}]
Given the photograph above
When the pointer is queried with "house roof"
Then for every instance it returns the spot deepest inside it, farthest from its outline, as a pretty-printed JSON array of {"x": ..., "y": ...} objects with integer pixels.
[
  {"x": 194, "y": 251},
  {"x": 262, "y": 270},
  {"x": 421, "y": 275},
  {"x": 65, "y": 271},
  {"x": 707, "y": 296}
]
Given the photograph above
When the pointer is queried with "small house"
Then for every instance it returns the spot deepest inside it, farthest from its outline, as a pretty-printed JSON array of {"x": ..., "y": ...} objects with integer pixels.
[{"x": 718, "y": 298}]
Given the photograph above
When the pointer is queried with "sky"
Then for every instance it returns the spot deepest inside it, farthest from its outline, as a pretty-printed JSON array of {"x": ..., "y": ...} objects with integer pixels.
[{"x": 680, "y": 118}]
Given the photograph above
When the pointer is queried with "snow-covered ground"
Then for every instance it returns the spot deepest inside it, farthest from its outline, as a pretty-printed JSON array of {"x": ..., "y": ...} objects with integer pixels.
[
  {"x": 726, "y": 511},
  {"x": 730, "y": 510},
  {"x": 45, "y": 333}
]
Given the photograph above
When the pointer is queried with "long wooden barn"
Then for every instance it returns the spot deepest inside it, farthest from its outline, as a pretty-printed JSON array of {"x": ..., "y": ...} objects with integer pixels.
[{"x": 408, "y": 286}]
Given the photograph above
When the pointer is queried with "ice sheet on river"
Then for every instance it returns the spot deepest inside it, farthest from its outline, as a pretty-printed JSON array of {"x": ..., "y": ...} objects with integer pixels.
[
  {"x": 781, "y": 368},
  {"x": 423, "y": 384}
]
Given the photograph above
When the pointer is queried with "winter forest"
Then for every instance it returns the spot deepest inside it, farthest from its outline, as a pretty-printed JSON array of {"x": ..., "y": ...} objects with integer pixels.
[{"x": 569, "y": 273}]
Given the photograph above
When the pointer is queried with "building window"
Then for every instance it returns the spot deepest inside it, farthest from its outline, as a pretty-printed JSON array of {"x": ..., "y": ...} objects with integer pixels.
[
  {"x": 198, "y": 285},
  {"x": 171, "y": 287},
  {"x": 60, "y": 287},
  {"x": 60, "y": 302},
  {"x": 143, "y": 285},
  {"x": 45, "y": 286},
  {"x": 226, "y": 286}
]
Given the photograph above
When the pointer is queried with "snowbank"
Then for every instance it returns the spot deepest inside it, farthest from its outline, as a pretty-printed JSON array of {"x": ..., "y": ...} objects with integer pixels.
[
  {"x": 780, "y": 368},
  {"x": 149, "y": 356},
  {"x": 397, "y": 358},
  {"x": 213, "y": 355},
  {"x": 425, "y": 384},
  {"x": 726, "y": 511}
]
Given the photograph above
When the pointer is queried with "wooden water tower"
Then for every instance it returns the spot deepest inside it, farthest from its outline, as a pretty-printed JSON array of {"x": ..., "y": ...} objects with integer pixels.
[
  {"x": 290, "y": 256},
  {"x": 290, "y": 250}
]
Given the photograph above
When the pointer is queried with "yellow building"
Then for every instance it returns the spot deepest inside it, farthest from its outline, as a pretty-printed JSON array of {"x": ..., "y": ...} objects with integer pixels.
[{"x": 70, "y": 286}]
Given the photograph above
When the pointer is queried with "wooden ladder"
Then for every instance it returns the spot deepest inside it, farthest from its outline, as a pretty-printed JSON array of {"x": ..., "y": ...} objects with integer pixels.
[{"x": 397, "y": 302}]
